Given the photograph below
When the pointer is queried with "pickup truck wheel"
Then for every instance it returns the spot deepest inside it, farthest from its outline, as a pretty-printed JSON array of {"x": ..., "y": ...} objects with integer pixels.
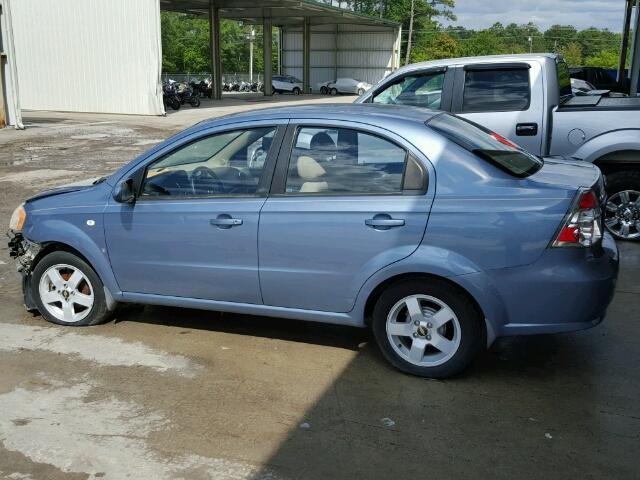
[
  {"x": 67, "y": 291},
  {"x": 427, "y": 328},
  {"x": 622, "y": 210}
]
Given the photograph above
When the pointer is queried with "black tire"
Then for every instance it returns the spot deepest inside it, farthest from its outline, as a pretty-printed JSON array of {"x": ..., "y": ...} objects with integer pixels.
[
  {"x": 174, "y": 103},
  {"x": 195, "y": 102},
  {"x": 98, "y": 313},
  {"x": 296, "y": 91},
  {"x": 333, "y": 91},
  {"x": 324, "y": 90},
  {"x": 623, "y": 180},
  {"x": 471, "y": 326},
  {"x": 360, "y": 91}
]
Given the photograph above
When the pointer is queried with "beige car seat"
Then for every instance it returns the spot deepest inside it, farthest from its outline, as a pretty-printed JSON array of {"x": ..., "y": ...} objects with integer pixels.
[{"x": 310, "y": 171}]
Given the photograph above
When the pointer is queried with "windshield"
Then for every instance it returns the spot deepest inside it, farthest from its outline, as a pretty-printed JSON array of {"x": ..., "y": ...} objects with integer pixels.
[{"x": 486, "y": 144}]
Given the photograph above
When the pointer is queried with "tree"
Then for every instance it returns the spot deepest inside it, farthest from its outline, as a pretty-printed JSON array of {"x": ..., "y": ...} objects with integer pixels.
[
  {"x": 572, "y": 53},
  {"x": 604, "y": 59}
]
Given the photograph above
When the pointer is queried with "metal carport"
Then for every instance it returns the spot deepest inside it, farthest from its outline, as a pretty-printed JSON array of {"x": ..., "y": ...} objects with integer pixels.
[{"x": 316, "y": 38}]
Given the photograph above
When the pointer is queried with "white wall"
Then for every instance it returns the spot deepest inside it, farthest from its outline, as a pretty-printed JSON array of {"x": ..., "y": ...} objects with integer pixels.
[
  {"x": 355, "y": 51},
  {"x": 89, "y": 55},
  {"x": 11, "y": 104}
]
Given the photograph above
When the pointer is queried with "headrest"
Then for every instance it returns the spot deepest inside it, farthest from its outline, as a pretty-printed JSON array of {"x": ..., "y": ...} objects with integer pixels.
[{"x": 309, "y": 169}]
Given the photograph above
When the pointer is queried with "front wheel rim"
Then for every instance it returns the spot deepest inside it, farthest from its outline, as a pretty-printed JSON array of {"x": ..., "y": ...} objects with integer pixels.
[
  {"x": 622, "y": 214},
  {"x": 423, "y": 330},
  {"x": 66, "y": 293}
]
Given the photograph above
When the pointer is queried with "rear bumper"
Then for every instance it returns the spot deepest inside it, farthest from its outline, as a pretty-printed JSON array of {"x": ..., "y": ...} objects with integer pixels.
[{"x": 566, "y": 290}]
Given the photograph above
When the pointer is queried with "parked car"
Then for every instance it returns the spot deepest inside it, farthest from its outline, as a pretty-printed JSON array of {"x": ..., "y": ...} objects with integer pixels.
[
  {"x": 439, "y": 234},
  {"x": 344, "y": 85},
  {"x": 286, "y": 83},
  {"x": 528, "y": 99}
]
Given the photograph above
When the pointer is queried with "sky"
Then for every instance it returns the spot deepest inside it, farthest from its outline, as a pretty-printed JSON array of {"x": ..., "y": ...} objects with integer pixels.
[{"x": 544, "y": 13}]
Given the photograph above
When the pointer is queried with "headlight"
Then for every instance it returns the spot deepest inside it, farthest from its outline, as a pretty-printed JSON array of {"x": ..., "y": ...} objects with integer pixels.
[{"x": 17, "y": 218}]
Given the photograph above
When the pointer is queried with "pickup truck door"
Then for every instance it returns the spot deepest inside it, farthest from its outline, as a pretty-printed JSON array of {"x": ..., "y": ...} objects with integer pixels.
[{"x": 507, "y": 98}]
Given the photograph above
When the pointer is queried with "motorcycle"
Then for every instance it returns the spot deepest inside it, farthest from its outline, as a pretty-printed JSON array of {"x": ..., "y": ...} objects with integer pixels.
[{"x": 170, "y": 96}]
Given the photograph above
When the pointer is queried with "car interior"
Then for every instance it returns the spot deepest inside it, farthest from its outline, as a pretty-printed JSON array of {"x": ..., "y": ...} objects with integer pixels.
[{"x": 229, "y": 163}]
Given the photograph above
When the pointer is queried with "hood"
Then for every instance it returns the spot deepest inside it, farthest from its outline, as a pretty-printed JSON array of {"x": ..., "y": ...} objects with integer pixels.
[{"x": 70, "y": 187}]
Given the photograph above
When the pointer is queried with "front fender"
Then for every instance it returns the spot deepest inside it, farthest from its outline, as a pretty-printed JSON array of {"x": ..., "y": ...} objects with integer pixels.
[
  {"x": 597, "y": 147},
  {"x": 90, "y": 244}
]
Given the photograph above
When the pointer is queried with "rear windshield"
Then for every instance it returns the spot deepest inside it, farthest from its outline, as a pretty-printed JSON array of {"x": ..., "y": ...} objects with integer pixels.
[{"x": 486, "y": 144}]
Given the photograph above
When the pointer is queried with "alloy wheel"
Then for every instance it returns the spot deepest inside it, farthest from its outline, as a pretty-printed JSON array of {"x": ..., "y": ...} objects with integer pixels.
[
  {"x": 66, "y": 293},
  {"x": 622, "y": 214},
  {"x": 423, "y": 330}
]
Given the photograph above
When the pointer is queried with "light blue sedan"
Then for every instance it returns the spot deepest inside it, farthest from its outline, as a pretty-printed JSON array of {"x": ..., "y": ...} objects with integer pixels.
[{"x": 437, "y": 233}]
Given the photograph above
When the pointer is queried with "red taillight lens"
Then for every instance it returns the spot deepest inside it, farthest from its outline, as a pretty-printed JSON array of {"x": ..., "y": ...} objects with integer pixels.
[
  {"x": 504, "y": 141},
  {"x": 583, "y": 226}
]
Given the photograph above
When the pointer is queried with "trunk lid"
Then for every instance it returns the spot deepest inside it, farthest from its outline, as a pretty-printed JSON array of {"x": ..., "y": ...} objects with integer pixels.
[{"x": 565, "y": 173}]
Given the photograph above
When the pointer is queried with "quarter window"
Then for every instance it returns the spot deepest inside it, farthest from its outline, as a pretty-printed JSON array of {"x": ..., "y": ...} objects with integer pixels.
[
  {"x": 229, "y": 163},
  {"x": 420, "y": 90},
  {"x": 340, "y": 160},
  {"x": 496, "y": 90}
]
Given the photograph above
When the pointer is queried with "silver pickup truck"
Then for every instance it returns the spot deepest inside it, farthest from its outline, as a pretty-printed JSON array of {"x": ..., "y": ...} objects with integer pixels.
[{"x": 528, "y": 99}]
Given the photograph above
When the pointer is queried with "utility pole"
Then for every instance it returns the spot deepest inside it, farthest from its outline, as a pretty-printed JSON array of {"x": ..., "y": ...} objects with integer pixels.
[
  {"x": 251, "y": 37},
  {"x": 408, "y": 53}
]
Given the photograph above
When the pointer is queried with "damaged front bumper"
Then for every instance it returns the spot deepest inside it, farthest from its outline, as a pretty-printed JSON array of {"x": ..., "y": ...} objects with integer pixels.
[{"x": 25, "y": 252}]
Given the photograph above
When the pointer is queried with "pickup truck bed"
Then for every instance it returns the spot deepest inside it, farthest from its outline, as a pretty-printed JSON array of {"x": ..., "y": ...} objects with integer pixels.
[{"x": 597, "y": 102}]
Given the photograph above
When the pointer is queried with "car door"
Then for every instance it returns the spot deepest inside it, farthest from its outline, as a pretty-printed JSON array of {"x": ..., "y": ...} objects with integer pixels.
[
  {"x": 192, "y": 232},
  {"x": 499, "y": 97},
  {"x": 345, "y": 202}
]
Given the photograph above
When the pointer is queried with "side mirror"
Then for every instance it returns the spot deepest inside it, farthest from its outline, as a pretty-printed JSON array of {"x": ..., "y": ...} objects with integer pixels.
[{"x": 125, "y": 192}]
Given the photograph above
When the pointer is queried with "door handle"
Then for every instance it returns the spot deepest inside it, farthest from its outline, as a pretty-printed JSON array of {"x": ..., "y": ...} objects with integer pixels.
[
  {"x": 225, "y": 221},
  {"x": 527, "y": 129},
  {"x": 383, "y": 222}
]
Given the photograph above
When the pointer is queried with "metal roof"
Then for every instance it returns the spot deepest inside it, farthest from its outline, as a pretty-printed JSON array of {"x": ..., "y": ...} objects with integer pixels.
[{"x": 282, "y": 12}]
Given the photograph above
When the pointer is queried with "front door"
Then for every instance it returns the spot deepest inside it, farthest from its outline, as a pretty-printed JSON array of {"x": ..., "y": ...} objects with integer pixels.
[
  {"x": 344, "y": 204},
  {"x": 193, "y": 230}
]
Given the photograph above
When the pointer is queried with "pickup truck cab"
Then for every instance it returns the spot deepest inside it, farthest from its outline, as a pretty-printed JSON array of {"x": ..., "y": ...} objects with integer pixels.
[{"x": 528, "y": 99}]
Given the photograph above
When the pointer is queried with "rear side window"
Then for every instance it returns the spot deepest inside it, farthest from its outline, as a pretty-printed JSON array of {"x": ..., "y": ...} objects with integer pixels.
[
  {"x": 486, "y": 144},
  {"x": 564, "y": 78},
  {"x": 327, "y": 160},
  {"x": 496, "y": 90}
]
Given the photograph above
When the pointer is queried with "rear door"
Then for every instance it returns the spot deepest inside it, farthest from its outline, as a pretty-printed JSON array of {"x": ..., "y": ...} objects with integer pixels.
[
  {"x": 345, "y": 202},
  {"x": 506, "y": 98}
]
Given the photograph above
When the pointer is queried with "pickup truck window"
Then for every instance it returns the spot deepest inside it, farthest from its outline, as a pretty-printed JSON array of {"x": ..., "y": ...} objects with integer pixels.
[
  {"x": 564, "y": 79},
  {"x": 487, "y": 145},
  {"x": 418, "y": 90},
  {"x": 499, "y": 90}
]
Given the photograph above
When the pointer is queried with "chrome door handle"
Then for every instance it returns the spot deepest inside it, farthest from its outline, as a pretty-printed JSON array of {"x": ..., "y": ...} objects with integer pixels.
[
  {"x": 225, "y": 221},
  {"x": 383, "y": 222}
]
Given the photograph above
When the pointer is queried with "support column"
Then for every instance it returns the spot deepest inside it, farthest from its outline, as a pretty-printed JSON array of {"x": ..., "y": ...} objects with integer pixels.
[
  {"x": 306, "y": 54},
  {"x": 626, "y": 25},
  {"x": 267, "y": 42},
  {"x": 634, "y": 72},
  {"x": 214, "y": 42}
]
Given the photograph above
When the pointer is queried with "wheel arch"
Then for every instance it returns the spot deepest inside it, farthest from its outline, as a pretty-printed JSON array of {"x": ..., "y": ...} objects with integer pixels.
[
  {"x": 618, "y": 160},
  {"x": 374, "y": 295}
]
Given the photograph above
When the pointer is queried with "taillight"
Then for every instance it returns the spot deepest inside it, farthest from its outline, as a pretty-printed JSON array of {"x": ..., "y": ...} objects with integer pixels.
[{"x": 583, "y": 226}]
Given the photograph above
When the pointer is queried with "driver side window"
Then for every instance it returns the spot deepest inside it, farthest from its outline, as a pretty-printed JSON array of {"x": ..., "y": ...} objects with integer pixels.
[
  {"x": 418, "y": 90},
  {"x": 228, "y": 163}
]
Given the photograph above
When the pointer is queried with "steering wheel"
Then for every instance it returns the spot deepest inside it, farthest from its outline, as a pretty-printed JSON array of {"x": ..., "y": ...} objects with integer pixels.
[{"x": 205, "y": 178}]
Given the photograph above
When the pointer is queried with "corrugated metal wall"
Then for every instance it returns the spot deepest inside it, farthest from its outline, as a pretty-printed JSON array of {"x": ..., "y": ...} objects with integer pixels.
[
  {"x": 367, "y": 53},
  {"x": 89, "y": 55}
]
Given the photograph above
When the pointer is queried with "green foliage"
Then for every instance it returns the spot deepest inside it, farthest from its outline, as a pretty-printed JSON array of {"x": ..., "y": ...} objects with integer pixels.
[
  {"x": 606, "y": 59},
  {"x": 572, "y": 53}
]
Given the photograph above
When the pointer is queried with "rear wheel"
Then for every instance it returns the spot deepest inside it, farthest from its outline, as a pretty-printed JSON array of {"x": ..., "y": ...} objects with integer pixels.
[
  {"x": 360, "y": 91},
  {"x": 427, "y": 328},
  {"x": 68, "y": 292},
  {"x": 333, "y": 91},
  {"x": 622, "y": 210},
  {"x": 296, "y": 91},
  {"x": 195, "y": 101}
]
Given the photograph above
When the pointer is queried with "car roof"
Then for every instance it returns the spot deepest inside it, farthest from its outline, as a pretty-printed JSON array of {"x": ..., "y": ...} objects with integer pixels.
[
  {"x": 451, "y": 62},
  {"x": 385, "y": 116}
]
